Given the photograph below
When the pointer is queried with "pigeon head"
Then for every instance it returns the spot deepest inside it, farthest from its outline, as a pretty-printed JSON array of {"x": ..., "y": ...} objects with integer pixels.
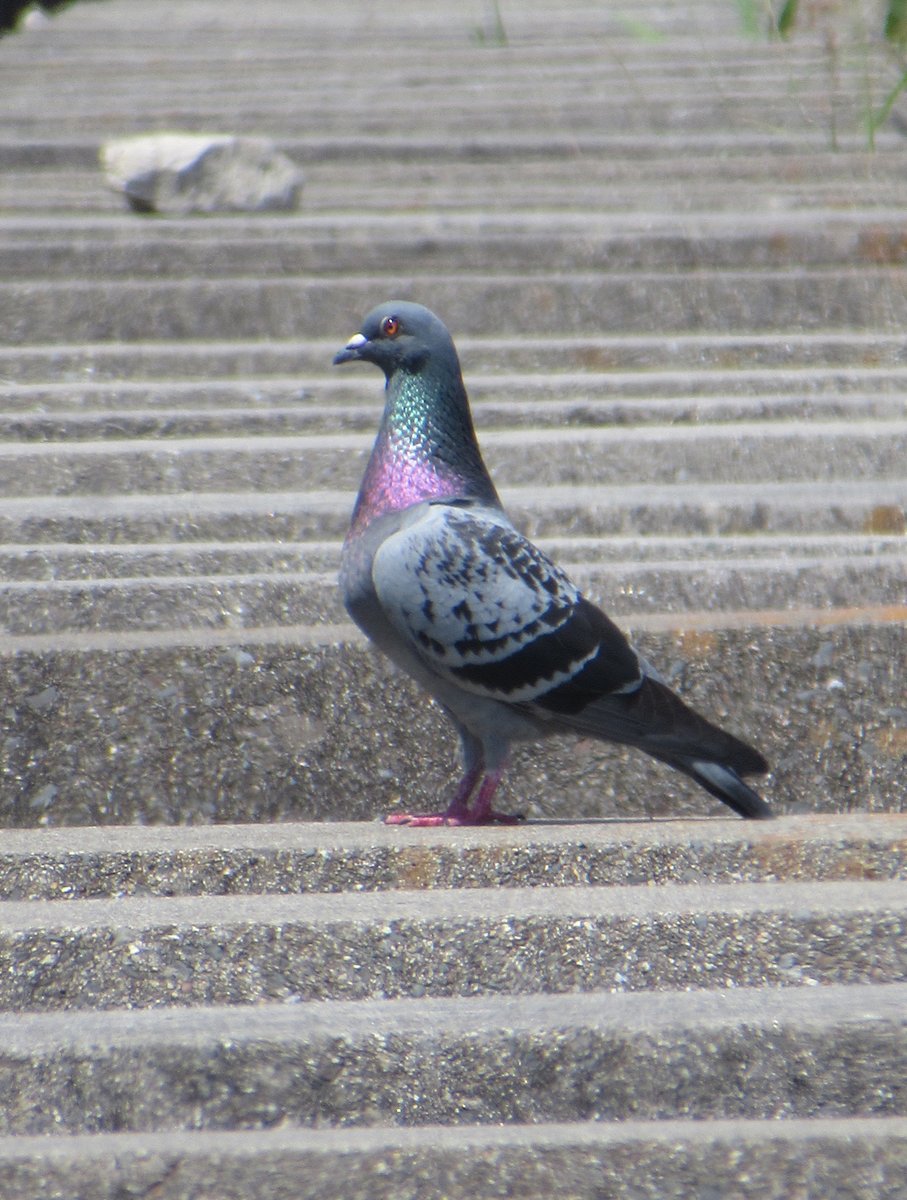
[
  {"x": 400, "y": 335},
  {"x": 426, "y": 447}
]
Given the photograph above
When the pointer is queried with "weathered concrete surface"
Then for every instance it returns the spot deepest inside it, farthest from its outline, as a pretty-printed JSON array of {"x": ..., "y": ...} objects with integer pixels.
[
  {"x": 31, "y": 248},
  {"x": 231, "y": 727},
  {"x": 148, "y": 952},
  {"x": 262, "y": 599},
  {"x": 676, "y": 275},
  {"x": 746, "y": 1052},
  {"x": 846, "y": 507},
  {"x": 829, "y": 1059},
  {"x": 772, "y": 302},
  {"x": 838, "y": 1159},
  {"x": 729, "y": 362},
  {"x": 741, "y": 452},
  {"x": 161, "y": 860},
  {"x": 69, "y": 564},
  {"x": 37, "y": 414}
]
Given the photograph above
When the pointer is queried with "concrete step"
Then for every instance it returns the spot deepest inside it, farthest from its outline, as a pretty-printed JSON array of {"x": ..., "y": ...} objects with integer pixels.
[
  {"x": 463, "y": 192},
  {"x": 217, "y": 950},
  {"x": 663, "y": 247},
  {"x": 742, "y": 452},
  {"x": 711, "y": 362},
  {"x": 528, "y": 64},
  {"x": 247, "y": 601},
  {"x": 745, "y": 1052},
  {"x": 866, "y": 298},
  {"x": 640, "y": 1160},
  {"x": 846, "y": 507},
  {"x": 59, "y": 562},
  {"x": 537, "y": 241},
  {"x": 303, "y": 722},
  {"x": 62, "y": 561},
  {"x": 291, "y": 859},
  {"x": 673, "y": 93},
  {"x": 590, "y": 100},
  {"x": 588, "y": 1082},
  {"x": 271, "y": 408},
  {"x": 774, "y": 161},
  {"x": 591, "y": 76}
]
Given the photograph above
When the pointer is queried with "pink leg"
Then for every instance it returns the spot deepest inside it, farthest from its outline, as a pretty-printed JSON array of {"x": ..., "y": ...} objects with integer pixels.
[
  {"x": 482, "y": 812},
  {"x": 458, "y": 812},
  {"x": 454, "y": 814}
]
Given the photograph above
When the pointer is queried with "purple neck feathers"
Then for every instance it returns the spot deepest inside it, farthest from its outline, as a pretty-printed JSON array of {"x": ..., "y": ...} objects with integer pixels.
[{"x": 426, "y": 449}]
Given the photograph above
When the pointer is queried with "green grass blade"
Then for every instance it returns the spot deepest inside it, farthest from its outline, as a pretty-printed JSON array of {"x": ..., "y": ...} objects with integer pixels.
[{"x": 787, "y": 18}]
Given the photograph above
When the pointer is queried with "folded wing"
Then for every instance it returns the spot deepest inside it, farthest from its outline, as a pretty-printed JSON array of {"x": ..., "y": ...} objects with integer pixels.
[{"x": 487, "y": 611}]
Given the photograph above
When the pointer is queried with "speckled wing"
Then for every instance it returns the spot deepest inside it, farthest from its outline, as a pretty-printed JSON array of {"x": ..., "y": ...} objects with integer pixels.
[{"x": 485, "y": 609}]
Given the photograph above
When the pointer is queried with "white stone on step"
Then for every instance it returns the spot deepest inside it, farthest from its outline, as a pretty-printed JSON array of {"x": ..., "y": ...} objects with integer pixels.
[{"x": 206, "y": 173}]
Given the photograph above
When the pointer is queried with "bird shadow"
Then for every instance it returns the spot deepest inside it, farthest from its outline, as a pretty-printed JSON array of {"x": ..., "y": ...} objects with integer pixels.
[{"x": 559, "y": 822}]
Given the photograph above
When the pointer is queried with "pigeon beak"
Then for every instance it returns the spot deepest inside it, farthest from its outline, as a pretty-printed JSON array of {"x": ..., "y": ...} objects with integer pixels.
[{"x": 352, "y": 350}]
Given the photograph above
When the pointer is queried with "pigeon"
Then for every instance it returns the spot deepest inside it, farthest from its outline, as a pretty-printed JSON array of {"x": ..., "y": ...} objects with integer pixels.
[{"x": 434, "y": 572}]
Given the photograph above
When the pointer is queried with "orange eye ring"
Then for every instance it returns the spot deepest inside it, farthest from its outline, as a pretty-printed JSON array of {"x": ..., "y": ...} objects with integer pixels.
[{"x": 390, "y": 327}]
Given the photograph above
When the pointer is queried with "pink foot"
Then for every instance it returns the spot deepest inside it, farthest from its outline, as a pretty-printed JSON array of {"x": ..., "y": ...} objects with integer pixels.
[
  {"x": 422, "y": 820},
  {"x": 433, "y": 820},
  {"x": 458, "y": 811}
]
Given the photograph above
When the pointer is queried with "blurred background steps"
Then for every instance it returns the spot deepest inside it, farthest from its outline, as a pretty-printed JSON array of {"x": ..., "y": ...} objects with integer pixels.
[{"x": 672, "y": 254}]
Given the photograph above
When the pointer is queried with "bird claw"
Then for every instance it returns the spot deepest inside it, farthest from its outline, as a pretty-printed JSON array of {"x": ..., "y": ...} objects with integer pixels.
[
  {"x": 419, "y": 820},
  {"x": 499, "y": 818},
  {"x": 434, "y": 820}
]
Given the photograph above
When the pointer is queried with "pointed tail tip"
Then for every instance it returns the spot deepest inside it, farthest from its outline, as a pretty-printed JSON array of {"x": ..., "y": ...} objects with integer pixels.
[
  {"x": 757, "y": 809},
  {"x": 726, "y": 784}
]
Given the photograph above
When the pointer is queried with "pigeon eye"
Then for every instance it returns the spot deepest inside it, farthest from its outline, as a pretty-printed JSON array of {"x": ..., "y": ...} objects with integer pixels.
[{"x": 390, "y": 327}]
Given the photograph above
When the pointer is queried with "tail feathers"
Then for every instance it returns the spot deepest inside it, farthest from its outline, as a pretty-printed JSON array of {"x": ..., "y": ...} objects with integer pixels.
[
  {"x": 724, "y": 782},
  {"x": 715, "y": 759},
  {"x": 657, "y": 721}
]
